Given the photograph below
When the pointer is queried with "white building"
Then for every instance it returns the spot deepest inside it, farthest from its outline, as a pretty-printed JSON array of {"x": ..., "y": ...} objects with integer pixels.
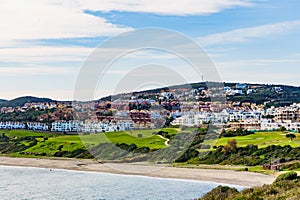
[
  {"x": 98, "y": 127},
  {"x": 12, "y": 125},
  {"x": 197, "y": 118},
  {"x": 250, "y": 91},
  {"x": 238, "y": 115},
  {"x": 241, "y": 86},
  {"x": 37, "y": 126},
  {"x": 193, "y": 119},
  {"x": 270, "y": 125},
  {"x": 65, "y": 126}
]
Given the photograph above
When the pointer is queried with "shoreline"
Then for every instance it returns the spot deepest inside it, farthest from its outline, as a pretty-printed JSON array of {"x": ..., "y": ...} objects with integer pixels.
[{"x": 239, "y": 178}]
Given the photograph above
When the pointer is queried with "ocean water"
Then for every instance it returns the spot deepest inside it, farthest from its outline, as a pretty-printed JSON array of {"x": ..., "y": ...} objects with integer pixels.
[{"x": 35, "y": 183}]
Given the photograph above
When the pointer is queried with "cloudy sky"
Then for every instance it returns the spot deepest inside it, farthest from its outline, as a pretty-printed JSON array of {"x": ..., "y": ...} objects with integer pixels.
[{"x": 43, "y": 43}]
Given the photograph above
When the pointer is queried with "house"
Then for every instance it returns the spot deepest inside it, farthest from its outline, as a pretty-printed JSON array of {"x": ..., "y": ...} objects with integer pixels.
[
  {"x": 240, "y": 92},
  {"x": 277, "y": 89},
  {"x": 227, "y": 89},
  {"x": 251, "y": 91},
  {"x": 241, "y": 86}
]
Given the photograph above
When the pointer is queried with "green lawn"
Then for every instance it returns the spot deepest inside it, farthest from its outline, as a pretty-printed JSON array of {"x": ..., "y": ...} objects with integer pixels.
[
  {"x": 73, "y": 142},
  {"x": 153, "y": 141},
  {"x": 23, "y": 133},
  {"x": 262, "y": 139}
]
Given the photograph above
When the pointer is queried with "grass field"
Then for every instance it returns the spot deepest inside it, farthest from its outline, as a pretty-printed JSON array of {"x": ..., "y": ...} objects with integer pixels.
[
  {"x": 23, "y": 133},
  {"x": 54, "y": 141},
  {"x": 261, "y": 139},
  {"x": 51, "y": 143}
]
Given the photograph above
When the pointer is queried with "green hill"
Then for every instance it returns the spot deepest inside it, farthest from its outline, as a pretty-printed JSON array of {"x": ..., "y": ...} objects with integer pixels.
[
  {"x": 22, "y": 100},
  {"x": 263, "y": 93},
  {"x": 2, "y": 101}
]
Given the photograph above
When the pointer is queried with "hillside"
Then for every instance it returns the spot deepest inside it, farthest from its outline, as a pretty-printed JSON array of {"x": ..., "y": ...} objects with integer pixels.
[
  {"x": 263, "y": 93},
  {"x": 22, "y": 100},
  {"x": 2, "y": 100},
  {"x": 286, "y": 186}
]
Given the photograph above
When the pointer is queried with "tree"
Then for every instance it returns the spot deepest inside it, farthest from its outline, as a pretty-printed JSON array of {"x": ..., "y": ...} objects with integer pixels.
[
  {"x": 291, "y": 136},
  {"x": 230, "y": 147},
  {"x": 282, "y": 128}
]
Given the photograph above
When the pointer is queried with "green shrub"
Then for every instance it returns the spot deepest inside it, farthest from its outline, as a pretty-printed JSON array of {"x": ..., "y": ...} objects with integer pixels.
[
  {"x": 291, "y": 166},
  {"x": 220, "y": 193},
  {"x": 287, "y": 176}
]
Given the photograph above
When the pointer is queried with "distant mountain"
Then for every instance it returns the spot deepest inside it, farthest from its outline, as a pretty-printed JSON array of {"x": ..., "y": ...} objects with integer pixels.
[
  {"x": 263, "y": 93},
  {"x": 2, "y": 100},
  {"x": 22, "y": 100}
]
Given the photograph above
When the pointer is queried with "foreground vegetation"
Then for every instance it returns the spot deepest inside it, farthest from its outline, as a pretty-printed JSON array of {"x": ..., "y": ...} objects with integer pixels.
[
  {"x": 286, "y": 186},
  {"x": 262, "y": 139},
  {"x": 252, "y": 149},
  {"x": 28, "y": 143},
  {"x": 240, "y": 148}
]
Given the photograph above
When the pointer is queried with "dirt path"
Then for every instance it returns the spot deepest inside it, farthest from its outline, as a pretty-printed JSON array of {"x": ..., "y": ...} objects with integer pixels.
[{"x": 166, "y": 140}]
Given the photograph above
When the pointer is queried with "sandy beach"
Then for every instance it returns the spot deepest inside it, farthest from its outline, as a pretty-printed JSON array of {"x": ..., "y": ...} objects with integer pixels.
[{"x": 247, "y": 179}]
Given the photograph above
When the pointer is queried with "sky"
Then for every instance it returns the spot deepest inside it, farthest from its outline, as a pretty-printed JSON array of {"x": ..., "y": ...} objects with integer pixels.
[{"x": 45, "y": 43}]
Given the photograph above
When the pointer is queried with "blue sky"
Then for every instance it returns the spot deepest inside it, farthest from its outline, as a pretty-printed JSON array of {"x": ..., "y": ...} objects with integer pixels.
[{"x": 43, "y": 43}]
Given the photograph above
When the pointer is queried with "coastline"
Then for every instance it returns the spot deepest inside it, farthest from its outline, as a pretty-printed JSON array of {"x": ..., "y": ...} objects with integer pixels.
[{"x": 246, "y": 179}]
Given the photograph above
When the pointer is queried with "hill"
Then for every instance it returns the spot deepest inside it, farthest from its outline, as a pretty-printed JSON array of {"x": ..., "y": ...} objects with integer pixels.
[
  {"x": 2, "y": 100},
  {"x": 266, "y": 93},
  {"x": 263, "y": 93},
  {"x": 22, "y": 100}
]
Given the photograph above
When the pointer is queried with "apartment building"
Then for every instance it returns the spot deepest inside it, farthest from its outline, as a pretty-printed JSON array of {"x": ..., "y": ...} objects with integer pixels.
[{"x": 65, "y": 126}]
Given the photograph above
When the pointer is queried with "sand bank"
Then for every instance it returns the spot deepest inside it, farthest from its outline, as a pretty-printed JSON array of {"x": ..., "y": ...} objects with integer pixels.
[{"x": 247, "y": 179}]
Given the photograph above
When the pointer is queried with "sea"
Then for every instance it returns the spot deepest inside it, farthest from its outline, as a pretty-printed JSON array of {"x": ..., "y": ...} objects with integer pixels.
[{"x": 37, "y": 183}]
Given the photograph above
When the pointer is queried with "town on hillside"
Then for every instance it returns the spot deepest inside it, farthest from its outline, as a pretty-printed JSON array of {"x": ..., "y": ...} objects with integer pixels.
[{"x": 266, "y": 108}]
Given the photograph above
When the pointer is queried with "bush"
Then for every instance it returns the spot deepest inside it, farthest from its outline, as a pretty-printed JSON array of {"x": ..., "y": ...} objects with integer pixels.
[
  {"x": 205, "y": 146},
  {"x": 287, "y": 176},
  {"x": 291, "y": 166},
  {"x": 282, "y": 128},
  {"x": 286, "y": 188},
  {"x": 189, "y": 154},
  {"x": 220, "y": 193},
  {"x": 238, "y": 132}
]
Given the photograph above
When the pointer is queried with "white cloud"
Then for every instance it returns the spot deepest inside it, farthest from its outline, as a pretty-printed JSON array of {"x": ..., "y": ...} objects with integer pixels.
[
  {"x": 39, "y": 54},
  {"x": 50, "y": 19},
  {"x": 236, "y": 64},
  {"x": 164, "y": 7},
  {"x": 31, "y": 71},
  {"x": 243, "y": 35}
]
